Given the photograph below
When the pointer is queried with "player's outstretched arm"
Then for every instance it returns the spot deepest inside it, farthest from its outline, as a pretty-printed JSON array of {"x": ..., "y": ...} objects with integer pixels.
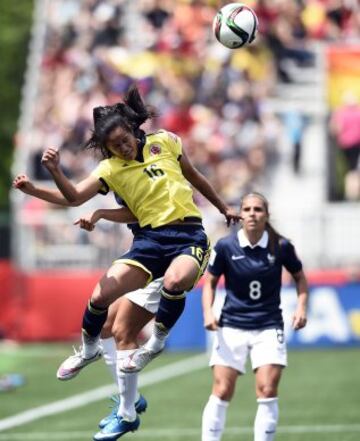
[
  {"x": 121, "y": 215},
  {"x": 300, "y": 315},
  {"x": 76, "y": 194},
  {"x": 202, "y": 184},
  {"x": 54, "y": 196}
]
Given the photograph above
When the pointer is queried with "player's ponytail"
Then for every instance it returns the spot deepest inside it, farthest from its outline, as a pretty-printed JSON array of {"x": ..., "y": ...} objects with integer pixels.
[
  {"x": 274, "y": 238},
  {"x": 136, "y": 111}
]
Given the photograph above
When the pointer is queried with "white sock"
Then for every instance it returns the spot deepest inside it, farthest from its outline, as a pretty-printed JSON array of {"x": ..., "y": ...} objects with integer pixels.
[
  {"x": 127, "y": 384},
  {"x": 90, "y": 345},
  {"x": 213, "y": 419},
  {"x": 108, "y": 347},
  {"x": 266, "y": 419},
  {"x": 158, "y": 338}
]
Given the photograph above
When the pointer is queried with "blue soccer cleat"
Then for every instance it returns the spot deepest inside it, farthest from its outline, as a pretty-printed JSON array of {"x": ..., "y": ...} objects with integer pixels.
[
  {"x": 140, "y": 407},
  {"x": 116, "y": 428}
]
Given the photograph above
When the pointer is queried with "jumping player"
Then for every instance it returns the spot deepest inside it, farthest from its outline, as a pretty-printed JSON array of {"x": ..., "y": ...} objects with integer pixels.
[{"x": 151, "y": 173}]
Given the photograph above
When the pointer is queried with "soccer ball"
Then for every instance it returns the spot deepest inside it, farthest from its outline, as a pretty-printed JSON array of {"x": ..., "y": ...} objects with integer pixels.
[{"x": 235, "y": 25}]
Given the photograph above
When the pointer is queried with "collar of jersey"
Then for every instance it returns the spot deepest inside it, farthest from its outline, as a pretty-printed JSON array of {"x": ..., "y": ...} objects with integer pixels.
[{"x": 244, "y": 241}]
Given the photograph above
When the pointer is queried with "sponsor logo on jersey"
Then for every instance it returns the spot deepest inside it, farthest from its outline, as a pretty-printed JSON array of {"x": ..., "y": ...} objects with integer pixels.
[
  {"x": 237, "y": 257},
  {"x": 155, "y": 149}
]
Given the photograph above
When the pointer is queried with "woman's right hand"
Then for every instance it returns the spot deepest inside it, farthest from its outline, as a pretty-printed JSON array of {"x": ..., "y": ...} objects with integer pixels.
[
  {"x": 23, "y": 183},
  {"x": 210, "y": 322},
  {"x": 51, "y": 159}
]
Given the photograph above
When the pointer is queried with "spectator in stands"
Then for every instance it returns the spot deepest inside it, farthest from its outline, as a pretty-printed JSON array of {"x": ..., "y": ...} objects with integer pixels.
[
  {"x": 294, "y": 125},
  {"x": 285, "y": 46},
  {"x": 250, "y": 322},
  {"x": 157, "y": 12},
  {"x": 345, "y": 126}
]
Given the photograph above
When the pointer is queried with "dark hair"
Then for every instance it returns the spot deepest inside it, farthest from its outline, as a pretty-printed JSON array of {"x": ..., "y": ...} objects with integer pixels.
[
  {"x": 129, "y": 115},
  {"x": 274, "y": 236}
]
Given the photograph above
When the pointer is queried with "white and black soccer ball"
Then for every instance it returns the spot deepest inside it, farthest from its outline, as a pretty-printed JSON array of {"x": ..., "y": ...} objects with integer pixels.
[{"x": 235, "y": 25}]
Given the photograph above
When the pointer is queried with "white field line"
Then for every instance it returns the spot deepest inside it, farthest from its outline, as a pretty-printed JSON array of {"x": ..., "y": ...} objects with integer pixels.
[
  {"x": 182, "y": 432},
  {"x": 156, "y": 376}
]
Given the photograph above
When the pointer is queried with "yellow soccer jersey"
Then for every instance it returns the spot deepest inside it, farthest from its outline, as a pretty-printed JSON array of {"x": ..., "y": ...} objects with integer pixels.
[{"x": 154, "y": 190}]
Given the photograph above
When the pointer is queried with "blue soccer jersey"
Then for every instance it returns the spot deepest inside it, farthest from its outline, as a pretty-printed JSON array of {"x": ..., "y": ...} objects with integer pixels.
[{"x": 252, "y": 280}]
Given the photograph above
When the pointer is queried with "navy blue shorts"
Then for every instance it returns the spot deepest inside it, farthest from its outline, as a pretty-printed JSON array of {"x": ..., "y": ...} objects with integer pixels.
[{"x": 154, "y": 249}]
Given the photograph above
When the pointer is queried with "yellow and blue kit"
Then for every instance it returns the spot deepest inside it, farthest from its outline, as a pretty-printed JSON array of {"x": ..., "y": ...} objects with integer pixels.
[{"x": 154, "y": 188}]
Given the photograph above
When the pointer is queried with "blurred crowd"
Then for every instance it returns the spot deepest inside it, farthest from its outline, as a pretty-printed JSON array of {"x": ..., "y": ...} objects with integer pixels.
[
  {"x": 345, "y": 129},
  {"x": 213, "y": 97}
]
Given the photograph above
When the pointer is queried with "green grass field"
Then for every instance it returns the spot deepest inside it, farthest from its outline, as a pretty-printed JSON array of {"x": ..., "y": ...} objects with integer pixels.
[{"x": 319, "y": 398}]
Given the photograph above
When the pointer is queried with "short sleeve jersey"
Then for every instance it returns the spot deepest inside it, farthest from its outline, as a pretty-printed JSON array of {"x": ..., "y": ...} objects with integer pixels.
[
  {"x": 252, "y": 281},
  {"x": 155, "y": 190}
]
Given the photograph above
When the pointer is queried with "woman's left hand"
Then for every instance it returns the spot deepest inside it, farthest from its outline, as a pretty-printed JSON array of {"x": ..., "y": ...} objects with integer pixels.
[
  {"x": 231, "y": 216},
  {"x": 88, "y": 222},
  {"x": 299, "y": 319}
]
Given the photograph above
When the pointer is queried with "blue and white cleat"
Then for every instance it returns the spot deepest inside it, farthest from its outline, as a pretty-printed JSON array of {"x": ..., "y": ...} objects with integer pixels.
[
  {"x": 116, "y": 428},
  {"x": 140, "y": 407},
  {"x": 74, "y": 364}
]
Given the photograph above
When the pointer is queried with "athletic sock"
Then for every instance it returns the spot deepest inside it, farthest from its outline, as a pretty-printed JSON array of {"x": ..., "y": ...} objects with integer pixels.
[
  {"x": 127, "y": 384},
  {"x": 213, "y": 419},
  {"x": 93, "y": 319},
  {"x": 108, "y": 347},
  {"x": 157, "y": 339},
  {"x": 171, "y": 306},
  {"x": 90, "y": 345},
  {"x": 266, "y": 419}
]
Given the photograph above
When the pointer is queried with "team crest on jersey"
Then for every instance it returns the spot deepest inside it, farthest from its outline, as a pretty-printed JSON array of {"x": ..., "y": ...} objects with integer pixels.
[
  {"x": 271, "y": 259},
  {"x": 155, "y": 149}
]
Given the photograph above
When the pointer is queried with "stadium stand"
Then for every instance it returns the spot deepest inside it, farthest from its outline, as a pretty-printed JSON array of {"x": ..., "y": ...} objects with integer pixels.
[{"x": 255, "y": 118}]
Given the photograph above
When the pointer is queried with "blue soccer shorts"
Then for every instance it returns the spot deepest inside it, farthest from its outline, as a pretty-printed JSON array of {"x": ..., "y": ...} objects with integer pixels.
[{"x": 154, "y": 249}]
